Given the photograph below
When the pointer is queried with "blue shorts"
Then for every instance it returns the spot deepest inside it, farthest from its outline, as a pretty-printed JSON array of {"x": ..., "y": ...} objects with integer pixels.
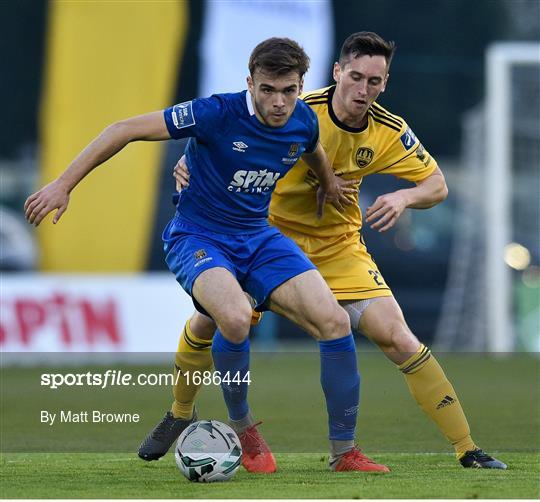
[{"x": 260, "y": 261}]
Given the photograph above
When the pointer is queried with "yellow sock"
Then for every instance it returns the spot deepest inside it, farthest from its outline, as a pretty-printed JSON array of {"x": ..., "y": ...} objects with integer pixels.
[
  {"x": 193, "y": 354},
  {"x": 436, "y": 396}
]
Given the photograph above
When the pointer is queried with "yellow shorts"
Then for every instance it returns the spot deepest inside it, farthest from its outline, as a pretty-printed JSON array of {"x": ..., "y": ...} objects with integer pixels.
[{"x": 344, "y": 263}]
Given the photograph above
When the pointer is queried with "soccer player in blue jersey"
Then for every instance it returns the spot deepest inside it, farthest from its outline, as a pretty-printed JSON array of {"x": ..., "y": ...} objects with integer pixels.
[{"x": 219, "y": 243}]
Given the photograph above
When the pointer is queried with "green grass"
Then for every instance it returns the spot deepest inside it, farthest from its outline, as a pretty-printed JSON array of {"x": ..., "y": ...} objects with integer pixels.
[
  {"x": 80, "y": 475},
  {"x": 500, "y": 396}
]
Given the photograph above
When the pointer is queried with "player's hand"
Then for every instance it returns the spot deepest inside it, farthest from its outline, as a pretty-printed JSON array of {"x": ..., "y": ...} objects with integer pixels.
[
  {"x": 181, "y": 174},
  {"x": 52, "y": 196},
  {"x": 386, "y": 210},
  {"x": 342, "y": 193}
]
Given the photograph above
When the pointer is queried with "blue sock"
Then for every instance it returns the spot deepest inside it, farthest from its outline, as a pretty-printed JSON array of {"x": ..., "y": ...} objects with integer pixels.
[
  {"x": 340, "y": 381},
  {"x": 232, "y": 359}
]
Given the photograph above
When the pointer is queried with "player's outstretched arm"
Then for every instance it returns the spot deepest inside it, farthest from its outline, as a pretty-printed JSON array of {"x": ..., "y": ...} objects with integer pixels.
[
  {"x": 332, "y": 189},
  {"x": 55, "y": 195},
  {"x": 385, "y": 211}
]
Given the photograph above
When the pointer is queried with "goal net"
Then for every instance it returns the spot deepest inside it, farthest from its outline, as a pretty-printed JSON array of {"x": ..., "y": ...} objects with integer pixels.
[{"x": 492, "y": 297}]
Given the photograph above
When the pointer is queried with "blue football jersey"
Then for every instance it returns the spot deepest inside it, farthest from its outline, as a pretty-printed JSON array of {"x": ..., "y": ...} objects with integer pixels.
[{"x": 235, "y": 160}]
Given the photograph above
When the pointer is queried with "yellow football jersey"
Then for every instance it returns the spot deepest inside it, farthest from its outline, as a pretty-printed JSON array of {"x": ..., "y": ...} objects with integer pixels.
[{"x": 386, "y": 145}]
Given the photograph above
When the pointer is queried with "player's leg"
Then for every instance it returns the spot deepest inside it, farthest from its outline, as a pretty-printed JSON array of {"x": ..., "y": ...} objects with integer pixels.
[
  {"x": 219, "y": 293},
  {"x": 230, "y": 351},
  {"x": 337, "y": 263},
  {"x": 352, "y": 273},
  {"x": 234, "y": 314},
  {"x": 192, "y": 356},
  {"x": 306, "y": 300},
  {"x": 382, "y": 322},
  {"x": 206, "y": 265},
  {"x": 196, "y": 259}
]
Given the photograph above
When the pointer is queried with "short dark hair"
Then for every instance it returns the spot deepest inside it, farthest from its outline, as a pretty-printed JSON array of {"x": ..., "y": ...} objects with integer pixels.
[
  {"x": 279, "y": 56},
  {"x": 366, "y": 43}
]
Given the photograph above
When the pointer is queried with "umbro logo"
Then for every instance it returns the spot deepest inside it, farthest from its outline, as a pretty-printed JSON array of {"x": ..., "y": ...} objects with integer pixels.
[
  {"x": 239, "y": 146},
  {"x": 447, "y": 401},
  {"x": 351, "y": 411}
]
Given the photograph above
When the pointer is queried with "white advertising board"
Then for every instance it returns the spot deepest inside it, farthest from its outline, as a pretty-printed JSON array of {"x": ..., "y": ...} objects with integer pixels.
[
  {"x": 231, "y": 30},
  {"x": 90, "y": 313}
]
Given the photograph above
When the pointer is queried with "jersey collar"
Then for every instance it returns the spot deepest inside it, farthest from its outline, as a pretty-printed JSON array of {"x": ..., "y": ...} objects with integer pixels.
[{"x": 249, "y": 103}]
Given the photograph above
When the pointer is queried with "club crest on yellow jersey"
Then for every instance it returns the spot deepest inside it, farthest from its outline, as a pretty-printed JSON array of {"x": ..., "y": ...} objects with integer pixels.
[{"x": 364, "y": 156}]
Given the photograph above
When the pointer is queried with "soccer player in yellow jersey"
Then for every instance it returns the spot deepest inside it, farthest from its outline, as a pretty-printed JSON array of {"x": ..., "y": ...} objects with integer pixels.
[{"x": 360, "y": 138}]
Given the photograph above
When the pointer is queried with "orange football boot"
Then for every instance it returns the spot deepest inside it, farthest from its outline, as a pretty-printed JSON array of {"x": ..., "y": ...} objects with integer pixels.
[
  {"x": 256, "y": 455},
  {"x": 355, "y": 460}
]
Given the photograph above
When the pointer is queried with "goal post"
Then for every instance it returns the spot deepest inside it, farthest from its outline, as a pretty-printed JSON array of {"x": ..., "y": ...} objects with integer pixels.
[
  {"x": 501, "y": 58},
  {"x": 491, "y": 300}
]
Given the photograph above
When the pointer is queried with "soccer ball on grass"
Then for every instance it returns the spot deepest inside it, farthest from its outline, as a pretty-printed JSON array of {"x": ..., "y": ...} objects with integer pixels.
[{"x": 208, "y": 451}]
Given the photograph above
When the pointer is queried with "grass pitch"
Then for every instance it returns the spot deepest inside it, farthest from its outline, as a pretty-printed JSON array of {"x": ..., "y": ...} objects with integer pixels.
[
  {"x": 90, "y": 475},
  {"x": 86, "y": 460}
]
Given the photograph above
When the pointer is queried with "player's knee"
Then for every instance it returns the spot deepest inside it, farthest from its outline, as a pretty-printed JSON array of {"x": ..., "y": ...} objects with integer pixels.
[
  {"x": 234, "y": 325},
  {"x": 202, "y": 326},
  {"x": 336, "y": 325},
  {"x": 401, "y": 340}
]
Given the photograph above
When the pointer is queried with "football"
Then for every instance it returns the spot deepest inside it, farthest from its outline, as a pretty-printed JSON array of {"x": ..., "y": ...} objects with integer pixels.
[{"x": 208, "y": 451}]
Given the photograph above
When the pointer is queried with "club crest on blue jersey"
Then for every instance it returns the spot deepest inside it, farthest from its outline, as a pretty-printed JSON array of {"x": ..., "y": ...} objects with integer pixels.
[
  {"x": 182, "y": 115},
  {"x": 201, "y": 257},
  {"x": 408, "y": 139},
  {"x": 200, "y": 254},
  {"x": 253, "y": 181},
  {"x": 293, "y": 150}
]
